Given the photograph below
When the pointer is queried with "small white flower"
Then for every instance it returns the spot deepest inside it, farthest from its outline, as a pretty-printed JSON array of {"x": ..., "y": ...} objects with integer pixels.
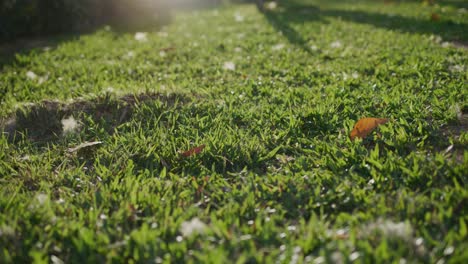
[
  {"x": 162, "y": 54},
  {"x": 388, "y": 228},
  {"x": 449, "y": 250},
  {"x": 141, "y": 36},
  {"x": 194, "y": 226},
  {"x": 229, "y": 65},
  {"x": 70, "y": 125},
  {"x": 436, "y": 38},
  {"x": 130, "y": 54},
  {"x": 245, "y": 237},
  {"x": 55, "y": 260},
  {"x": 336, "y": 44},
  {"x": 31, "y": 75},
  {"x": 42, "y": 198},
  {"x": 238, "y": 17},
  {"x": 238, "y": 49},
  {"x": 355, "y": 255},
  {"x": 163, "y": 34},
  {"x": 457, "y": 68},
  {"x": 271, "y": 5},
  {"x": 110, "y": 89},
  {"x": 446, "y": 44},
  {"x": 278, "y": 46}
]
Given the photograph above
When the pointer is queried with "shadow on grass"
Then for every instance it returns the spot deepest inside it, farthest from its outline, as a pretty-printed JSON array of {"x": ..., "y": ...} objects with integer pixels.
[
  {"x": 291, "y": 13},
  {"x": 122, "y": 21},
  {"x": 42, "y": 122}
]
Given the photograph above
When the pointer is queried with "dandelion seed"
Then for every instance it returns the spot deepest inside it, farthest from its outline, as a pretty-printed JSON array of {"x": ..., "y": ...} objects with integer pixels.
[
  {"x": 55, "y": 260},
  {"x": 419, "y": 241},
  {"x": 141, "y": 36},
  {"x": 449, "y": 251},
  {"x": 31, "y": 75},
  {"x": 238, "y": 17},
  {"x": 229, "y": 65},
  {"x": 446, "y": 44},
  {"x": 110, "y": 89},
  {"x": 130, "y": 54},
  {"x": 70, "y": 125},
  {"x": 436, "y": 38},
  {"x": 41, "y": 198},
  {"x": 271, "y": 5},
  {"x": 457, "y": 68},
  {"x": 354, "y": 256},
  {"x": 194, "y": 226},
  {"x": 163, "y": 34},
  {"x": 336, "y": 44},
  {"x": 296, "y": 255},
  {"x": 278, "y": 47},
  {"x": 245, "y": 237},
  {"x": 337, "y": 257},
  {"x": 401, "y": 230}
]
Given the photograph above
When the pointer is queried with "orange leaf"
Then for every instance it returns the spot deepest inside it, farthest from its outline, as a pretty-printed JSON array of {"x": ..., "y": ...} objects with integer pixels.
[
  {"x": 193, "y": 151},
  {"x": 365, "y": 126},
  {"x": 167, "y": 49}
]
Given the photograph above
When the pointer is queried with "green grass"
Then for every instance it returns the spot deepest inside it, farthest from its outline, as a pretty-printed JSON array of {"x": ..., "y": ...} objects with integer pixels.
[{"x": 279, "y": 179}]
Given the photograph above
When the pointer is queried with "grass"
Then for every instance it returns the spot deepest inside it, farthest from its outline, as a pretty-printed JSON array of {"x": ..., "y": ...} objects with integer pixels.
[{"x": 279, "y": 179}]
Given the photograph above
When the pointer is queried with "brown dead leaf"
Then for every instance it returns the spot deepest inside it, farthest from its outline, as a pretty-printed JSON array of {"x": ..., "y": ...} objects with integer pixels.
[
  {"x": 171, "y": 48},
  {"x": 365, "y": 126},
  {"x": 193, "y": 151},
  {"x": 435, "y": 17}
]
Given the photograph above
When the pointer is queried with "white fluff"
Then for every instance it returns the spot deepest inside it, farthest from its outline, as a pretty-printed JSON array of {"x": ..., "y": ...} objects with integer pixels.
[
  {"x": 70, "y": 125},
  {"x": 229, "y": 65},
  {"x": 194, "y": 226},
  {"x": 141, "y": 36}
]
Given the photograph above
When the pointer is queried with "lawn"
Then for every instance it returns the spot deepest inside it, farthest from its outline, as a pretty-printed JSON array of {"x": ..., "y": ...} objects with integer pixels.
[{"x": 223, "y": 137}]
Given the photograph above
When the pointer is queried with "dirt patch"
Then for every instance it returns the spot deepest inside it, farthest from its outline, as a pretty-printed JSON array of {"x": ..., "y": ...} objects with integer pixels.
[
  {"x": 455, "y": 131},
  {"x": 43, "y": 121},
  {"x": 461, "y": 45}
]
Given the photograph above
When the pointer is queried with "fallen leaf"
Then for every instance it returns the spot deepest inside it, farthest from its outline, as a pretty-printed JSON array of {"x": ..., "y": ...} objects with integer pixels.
[
  {"x": 435, "y": 17},
  {"x": 171, "y": 48},
  {"x": 193, "y": 151},
  {"x": 365, "y": 126}
]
